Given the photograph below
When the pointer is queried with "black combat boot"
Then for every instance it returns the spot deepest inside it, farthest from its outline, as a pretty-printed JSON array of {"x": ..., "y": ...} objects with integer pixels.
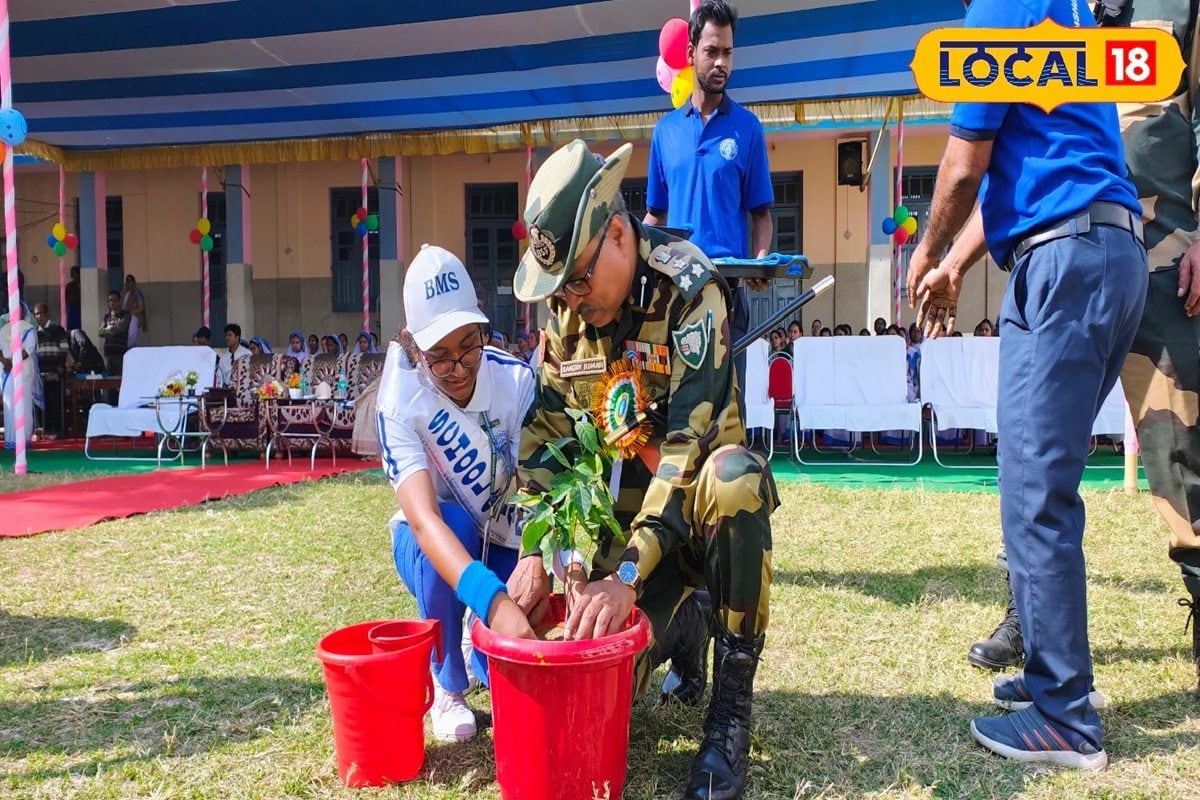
[
  {"x": 686, "y": 644},
  {"x": 719, "y": 770},
  {"x": 1193, "y": 620},
  {"x": 1005, "y": 647}
]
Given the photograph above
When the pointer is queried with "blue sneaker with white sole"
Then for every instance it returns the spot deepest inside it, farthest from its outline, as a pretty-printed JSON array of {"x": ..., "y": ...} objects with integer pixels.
[
  {"x": 1010, "y": 692},
  {"x": 1029, "y": 737}
]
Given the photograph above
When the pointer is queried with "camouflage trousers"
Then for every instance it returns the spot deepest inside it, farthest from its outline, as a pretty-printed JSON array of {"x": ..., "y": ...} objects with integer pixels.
[
  {"x": 1161, "y": 378},
  {"x": 729, "y": 551}
]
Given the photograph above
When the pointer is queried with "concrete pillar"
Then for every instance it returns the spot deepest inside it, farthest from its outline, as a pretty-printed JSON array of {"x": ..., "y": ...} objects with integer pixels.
[
  {"x": 880, "y": 289},
  {"x": 239, "y": 272},
  {"x": 93, "y": 253},
  {"x": 391, "y": 246}
]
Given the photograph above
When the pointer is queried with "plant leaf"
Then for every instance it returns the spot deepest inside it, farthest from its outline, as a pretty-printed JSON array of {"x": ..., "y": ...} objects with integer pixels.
[
  {"x": 557, "y": 452},
  {"x": 533, "y": 534},
  {"x": 588, "y": 437}
]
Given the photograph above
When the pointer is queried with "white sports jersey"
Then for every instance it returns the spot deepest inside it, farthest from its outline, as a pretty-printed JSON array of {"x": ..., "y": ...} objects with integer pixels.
[{"x": 420, "y": 429}]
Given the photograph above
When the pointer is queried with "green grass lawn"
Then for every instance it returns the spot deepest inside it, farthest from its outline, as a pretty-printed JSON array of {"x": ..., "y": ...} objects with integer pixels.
[{"x": 171, "y": 655}]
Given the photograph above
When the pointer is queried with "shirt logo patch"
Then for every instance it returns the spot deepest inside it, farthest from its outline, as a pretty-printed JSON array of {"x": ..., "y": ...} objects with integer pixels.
[
  {"x": 691, "y": 342},
  {"x": 728, "y": 149}
]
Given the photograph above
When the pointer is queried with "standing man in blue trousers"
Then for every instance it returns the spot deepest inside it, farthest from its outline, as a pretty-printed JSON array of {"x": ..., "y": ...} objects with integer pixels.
[{"x": 1057, "y": 210}]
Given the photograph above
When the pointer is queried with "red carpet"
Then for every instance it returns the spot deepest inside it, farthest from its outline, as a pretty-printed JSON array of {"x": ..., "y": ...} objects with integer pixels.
[{"x": 77, "y": 505}]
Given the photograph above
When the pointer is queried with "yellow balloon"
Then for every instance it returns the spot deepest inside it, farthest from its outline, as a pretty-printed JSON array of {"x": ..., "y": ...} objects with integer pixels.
[
  {"x": 681, "y": 87},
  {"x": 204, "y": 226},
  {"x": 910, "y": 225},
  {"x": 60, "y": 231}
]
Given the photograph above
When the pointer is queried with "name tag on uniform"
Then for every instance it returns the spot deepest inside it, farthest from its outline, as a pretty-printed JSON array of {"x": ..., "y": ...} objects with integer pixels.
[
  {"x": 653, "y": 357},
  {"x": 597, "y": 365}
]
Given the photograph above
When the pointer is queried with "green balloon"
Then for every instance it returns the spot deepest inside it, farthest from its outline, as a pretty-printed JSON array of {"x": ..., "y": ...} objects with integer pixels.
[
  {"x": 60, "y": 248},
  {"x": 901, "y": 214},
  {"x": 206, "y": 243},
  {"x": 373, "y": 222}
]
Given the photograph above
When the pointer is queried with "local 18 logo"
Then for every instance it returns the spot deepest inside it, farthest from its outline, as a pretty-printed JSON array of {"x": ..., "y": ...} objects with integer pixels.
[{"x": 1047, "y": 65}]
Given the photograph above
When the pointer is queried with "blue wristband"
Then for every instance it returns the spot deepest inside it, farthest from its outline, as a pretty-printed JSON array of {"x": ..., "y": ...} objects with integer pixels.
[{"x": 477, "y": 588}]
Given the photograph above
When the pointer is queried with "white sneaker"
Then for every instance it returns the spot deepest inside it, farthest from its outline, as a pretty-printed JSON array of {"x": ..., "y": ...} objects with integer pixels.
[
  {"x": 467, "y": 650},
  {"x": 453, "y": 719}
]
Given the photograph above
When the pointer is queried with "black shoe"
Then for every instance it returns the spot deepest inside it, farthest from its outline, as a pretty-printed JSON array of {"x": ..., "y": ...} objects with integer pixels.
[
  {"x": 719, "y": 769},
  {"x": 1193, "y": 620},
  {"x": 1005, "y": 647},
  {"x": 686, "y": 644}
]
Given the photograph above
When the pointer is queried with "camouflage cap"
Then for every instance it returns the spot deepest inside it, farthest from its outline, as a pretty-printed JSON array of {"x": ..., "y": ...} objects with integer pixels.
[{"x": 569, "y": 201}]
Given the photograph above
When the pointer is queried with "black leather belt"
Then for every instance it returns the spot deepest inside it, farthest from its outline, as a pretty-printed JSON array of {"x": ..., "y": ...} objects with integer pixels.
[{"x": 1112, "y": 214}]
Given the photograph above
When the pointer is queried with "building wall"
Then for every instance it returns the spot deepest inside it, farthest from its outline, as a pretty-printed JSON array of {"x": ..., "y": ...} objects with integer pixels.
[{"x": 291, "y": 247}]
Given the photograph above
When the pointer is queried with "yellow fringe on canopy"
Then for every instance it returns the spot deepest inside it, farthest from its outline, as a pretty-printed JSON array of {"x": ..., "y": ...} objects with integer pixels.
[{"x": 626, "y": 127}]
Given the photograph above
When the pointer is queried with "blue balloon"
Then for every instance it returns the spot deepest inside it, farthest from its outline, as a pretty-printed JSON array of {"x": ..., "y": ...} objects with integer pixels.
[
  {"x": 889, "y": 226},
  {"x": 51, "y": 241},
  {"x": 361, "y": 229},
  {"x": 12, "y": 127}
]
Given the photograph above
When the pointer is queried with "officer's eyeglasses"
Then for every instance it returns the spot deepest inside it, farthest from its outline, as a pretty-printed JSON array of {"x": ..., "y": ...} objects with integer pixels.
[
  {"x": 582, "y": 287},
  {"x": 444, "y": 367}
]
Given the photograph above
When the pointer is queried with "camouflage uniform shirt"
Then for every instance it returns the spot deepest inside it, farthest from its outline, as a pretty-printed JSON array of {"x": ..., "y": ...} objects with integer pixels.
[{"x": 675, "y": 289}]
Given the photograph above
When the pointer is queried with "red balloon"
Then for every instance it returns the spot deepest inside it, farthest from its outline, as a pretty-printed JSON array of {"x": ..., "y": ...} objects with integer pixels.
[
  {"x": 901, "y": 236},
  {"x": 194, "y": 236},
  {"x": 72, "y": 241},
  {"x": 362, "y": 213},
  {"x": 518, "y": 230},
  {"x": 673, "y": 43}
]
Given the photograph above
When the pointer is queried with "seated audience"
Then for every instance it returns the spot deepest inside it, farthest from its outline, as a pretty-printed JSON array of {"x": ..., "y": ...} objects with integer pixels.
[
  {"x": 259, "y": 346},
  {"x": 235, "y": 350},
  {"x": 314, "y": 344},
  {"x": 296, "y": 348},
  {"x": 202, "y": 336}
]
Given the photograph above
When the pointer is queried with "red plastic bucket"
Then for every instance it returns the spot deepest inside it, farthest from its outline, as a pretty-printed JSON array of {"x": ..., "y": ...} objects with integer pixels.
[
  {"x": 560, "y": 710},
  {"x": 403, "y": 633},
  {"x": 379, "y": 701}
]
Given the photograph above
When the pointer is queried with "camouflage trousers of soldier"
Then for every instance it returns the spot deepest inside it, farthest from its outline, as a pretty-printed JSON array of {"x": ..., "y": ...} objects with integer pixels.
[
  {"x": 1161, "y": 378},
  {"x": 729, "y": 552}
]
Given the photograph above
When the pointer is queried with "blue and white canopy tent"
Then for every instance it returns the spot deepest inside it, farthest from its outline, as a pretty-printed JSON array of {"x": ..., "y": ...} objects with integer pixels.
[{"x": 144, "y": 83}]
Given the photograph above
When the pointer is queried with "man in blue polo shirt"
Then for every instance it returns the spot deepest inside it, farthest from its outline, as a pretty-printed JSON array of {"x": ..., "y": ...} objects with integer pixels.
[
  {"x": 708, "y": 162},
  {"x": 1057, "y": 209}
]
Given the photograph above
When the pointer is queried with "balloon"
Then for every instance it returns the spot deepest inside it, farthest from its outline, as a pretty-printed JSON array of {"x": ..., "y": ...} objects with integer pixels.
[
  {"x": 910, "y": 225},
  {"x": 361, "y": 229},
  {"x": 195, "y": 236},
  {"x": 12, "y": 127},
  {"x": 354, "y": 221},
  {"x": 518, "y": 230},
  {"x": 60, "y": 248},
  {"x": 673, "y": 43},
  {"x": 900, "y": 215},
  {"x": 361, "y": 213},
  {"x": 72, "y": 241},
  {"x": 373, "y": 222},
  {"x": 889, "y": 226},
  {"x": 664, "y": 74},
  {"x": 204, "y": 226},
  {"x": 50, "y": 240},
  {"x": 901, "y": 236},
  {"x": 681, "y": 87},
  {"x": 206, "y": 243},
  {"x": 60, "y": 231}
]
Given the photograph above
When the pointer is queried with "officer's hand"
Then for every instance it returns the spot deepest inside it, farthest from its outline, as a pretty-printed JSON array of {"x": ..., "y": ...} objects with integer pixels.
[
  {"x": 507, "y": 618},
  {"x": 939, "y": 292},
  {"x": 919, "y": 264},
  {"x": 529, "y": 588},
  {"x": 757, "y": 284},
  {"x": 601, "y": 609},
  {"x": 1189, "y": 279}
]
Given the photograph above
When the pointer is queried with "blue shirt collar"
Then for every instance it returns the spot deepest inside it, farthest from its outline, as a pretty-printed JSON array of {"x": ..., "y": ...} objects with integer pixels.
[{"x": 723, "y": 108}]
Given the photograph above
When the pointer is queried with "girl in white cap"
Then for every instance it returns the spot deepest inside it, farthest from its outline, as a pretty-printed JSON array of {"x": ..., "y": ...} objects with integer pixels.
[{"x": 449, "y": 414}]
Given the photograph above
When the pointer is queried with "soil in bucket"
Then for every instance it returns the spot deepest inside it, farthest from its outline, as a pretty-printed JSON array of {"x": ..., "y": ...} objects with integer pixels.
[
  {"x": 561, "y": 709},
  {"x": 379, "y": 701}
]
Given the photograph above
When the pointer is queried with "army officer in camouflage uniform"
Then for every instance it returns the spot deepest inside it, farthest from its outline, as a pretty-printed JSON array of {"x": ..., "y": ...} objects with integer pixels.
[{"x": 696, "y": 502}]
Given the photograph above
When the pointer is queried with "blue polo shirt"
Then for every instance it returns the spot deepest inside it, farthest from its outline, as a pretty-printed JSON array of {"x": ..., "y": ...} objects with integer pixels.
[
  {"x": 1044, "y": 167},
  {"x": 708, "y": 175}
]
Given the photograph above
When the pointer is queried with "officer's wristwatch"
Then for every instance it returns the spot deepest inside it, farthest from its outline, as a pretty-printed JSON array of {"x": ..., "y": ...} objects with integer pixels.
[{"x": 627, "y": 573}]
